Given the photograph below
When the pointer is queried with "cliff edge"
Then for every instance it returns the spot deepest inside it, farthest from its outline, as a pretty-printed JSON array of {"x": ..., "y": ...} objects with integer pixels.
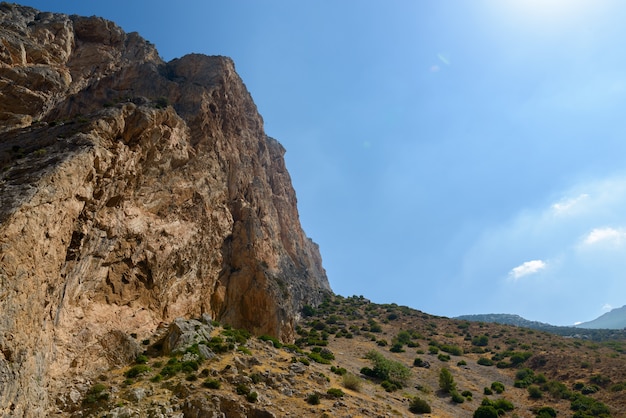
[{"x": 134, "y": 191}]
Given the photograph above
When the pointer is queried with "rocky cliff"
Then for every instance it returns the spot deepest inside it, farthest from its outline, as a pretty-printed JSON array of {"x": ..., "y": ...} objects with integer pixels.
[{"x": 133, "y": 191}]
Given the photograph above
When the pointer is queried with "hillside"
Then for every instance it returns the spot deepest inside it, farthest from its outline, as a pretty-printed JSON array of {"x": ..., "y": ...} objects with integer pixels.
[
  {"x": 325, "y": 373},
  {"x": 153, "y": 264}
]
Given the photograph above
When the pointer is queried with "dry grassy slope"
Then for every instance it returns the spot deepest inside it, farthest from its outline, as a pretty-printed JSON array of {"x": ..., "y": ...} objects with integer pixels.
[{"x": 283, "y": 385}]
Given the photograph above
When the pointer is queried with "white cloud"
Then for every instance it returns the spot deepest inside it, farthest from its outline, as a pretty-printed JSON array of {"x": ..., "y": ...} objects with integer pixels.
[
  {"x": 566, "y": 205},
  {"x": 563, "y": 231},
  {"x": 526, "y": 268},
  {"x": 607, "y": 307},
  {"x": 609, "y": 235}
]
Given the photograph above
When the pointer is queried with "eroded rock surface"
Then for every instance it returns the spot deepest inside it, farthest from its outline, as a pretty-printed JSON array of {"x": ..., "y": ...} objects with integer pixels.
[{"x": 133, "y": 192}]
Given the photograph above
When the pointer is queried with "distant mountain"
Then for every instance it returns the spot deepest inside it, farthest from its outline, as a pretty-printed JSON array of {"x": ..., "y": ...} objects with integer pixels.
[
  {"x": 585, "y": 330},
  {"x": 614, "y": 319},
  {"x": 507, "y": 319}
]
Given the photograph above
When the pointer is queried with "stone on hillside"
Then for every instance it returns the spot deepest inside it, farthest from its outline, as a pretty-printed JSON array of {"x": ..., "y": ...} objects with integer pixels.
[{"x": 183, "y": 333}]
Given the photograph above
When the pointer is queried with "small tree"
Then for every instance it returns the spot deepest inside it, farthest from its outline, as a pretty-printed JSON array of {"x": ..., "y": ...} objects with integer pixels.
[{"x": 446, "y": 381}]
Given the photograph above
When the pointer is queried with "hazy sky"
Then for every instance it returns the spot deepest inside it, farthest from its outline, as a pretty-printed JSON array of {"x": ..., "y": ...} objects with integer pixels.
[{"x": 458, "y": 157}]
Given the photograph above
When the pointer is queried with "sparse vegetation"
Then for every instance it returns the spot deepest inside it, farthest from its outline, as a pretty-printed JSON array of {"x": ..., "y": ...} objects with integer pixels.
[{"x": 322, "y": 347}]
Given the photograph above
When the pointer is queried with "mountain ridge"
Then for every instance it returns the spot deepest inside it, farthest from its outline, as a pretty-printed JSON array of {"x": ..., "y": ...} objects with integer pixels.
[{"x": 614, "y": 319}]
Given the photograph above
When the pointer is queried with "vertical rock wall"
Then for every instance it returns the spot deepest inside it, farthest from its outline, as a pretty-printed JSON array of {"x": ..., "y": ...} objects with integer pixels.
[{"x": 134, "y": 191}]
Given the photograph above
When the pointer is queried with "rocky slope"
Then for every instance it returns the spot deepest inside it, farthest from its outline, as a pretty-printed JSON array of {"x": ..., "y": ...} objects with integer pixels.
[
  {"x": 134, "y": 191},
  {"x": 201, "y": 369}
]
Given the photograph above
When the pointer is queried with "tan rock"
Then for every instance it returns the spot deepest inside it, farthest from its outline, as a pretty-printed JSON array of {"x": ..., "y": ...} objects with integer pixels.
[{"x": 148, "y": 192}]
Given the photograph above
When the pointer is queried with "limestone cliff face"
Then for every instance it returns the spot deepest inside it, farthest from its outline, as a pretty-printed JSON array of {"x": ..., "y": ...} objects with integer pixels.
[{"x": 133, "y": 191}]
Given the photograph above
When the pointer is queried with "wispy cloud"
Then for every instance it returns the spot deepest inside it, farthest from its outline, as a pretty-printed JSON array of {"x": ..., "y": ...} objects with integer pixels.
[
  {"x": 527, "y": 268},
  {"x": 607, "y": 307},
  {"x": 566, "y": 205},
  {"x": 605, "y": 235}
]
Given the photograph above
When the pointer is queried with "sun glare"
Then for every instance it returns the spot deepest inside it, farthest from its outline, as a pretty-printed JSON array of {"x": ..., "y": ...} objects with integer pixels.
[{"x": 550, "y": 13}]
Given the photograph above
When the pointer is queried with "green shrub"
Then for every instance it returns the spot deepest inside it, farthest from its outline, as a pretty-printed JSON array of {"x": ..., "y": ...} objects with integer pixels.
[
  {"x": 141, "y": 359},
  {"x": 274, "y": 340},
  {"x": 461, "y": 363},
  {"x": 503, "y": 404},
  {"x": 419, "y": 406},
  {"x": 211, "y": 384},
  {"x": 486, "y": 411},
  {"x": 252, "y": 397},
  {"x": 397, "y": 348},
  {"x": 558, "y": 390},
  {"x": 433, "y": 349},
  {"x": 335, "y": 393},
  {"x": 161, "y": 103},
  {"x": 524, "y": 378},
  {"x": 589, "y": 389},
  {"x": 618, "y": 387},
  {"x": 338, "y": 370},
  {"x": 534, "y": 392},
  {"x": 189, "y": 366},
  {"x": 457, "y": 397},
  {"x": 519, "y": 358},
  {"x": 352, "y": 382},
  {"x": 390, "y": 386},
  {"x": 386, "y": 369},
  {"x": 467, "y": 394},
  {"x": 217, "y": 345},
  {"x": 452, "y": 349},
  {"x": 483, "y": 361},
  {"x": 480, "y": 341},
  {"x": 418, "y": 362},
  {"x": 487, "y": 391},
  {"x": 97, "y": 393},
  {"x": 403, "y": 337},
  {"x": 498, "y": 387},
  {"x": 600, "y": 380},
  {"x": 317, "y": 357},
  {"x": 545, "y": 412},
  {"x": 313, "y": 399},
  {"x": 308, "y": 311},
  {"x": 588, "y": 407},
  {"x": 136, "y": 370},
  {"x": 443, "y": 357},
  {"x": 242, "y": 389}
]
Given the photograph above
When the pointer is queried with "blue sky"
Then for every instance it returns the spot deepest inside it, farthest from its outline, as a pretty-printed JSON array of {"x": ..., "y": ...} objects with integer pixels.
[{"x": 457, "y": 157}]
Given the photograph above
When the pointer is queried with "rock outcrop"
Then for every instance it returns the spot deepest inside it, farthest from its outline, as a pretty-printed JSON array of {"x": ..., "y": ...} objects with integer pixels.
[{"x": 133, "y": 191}]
